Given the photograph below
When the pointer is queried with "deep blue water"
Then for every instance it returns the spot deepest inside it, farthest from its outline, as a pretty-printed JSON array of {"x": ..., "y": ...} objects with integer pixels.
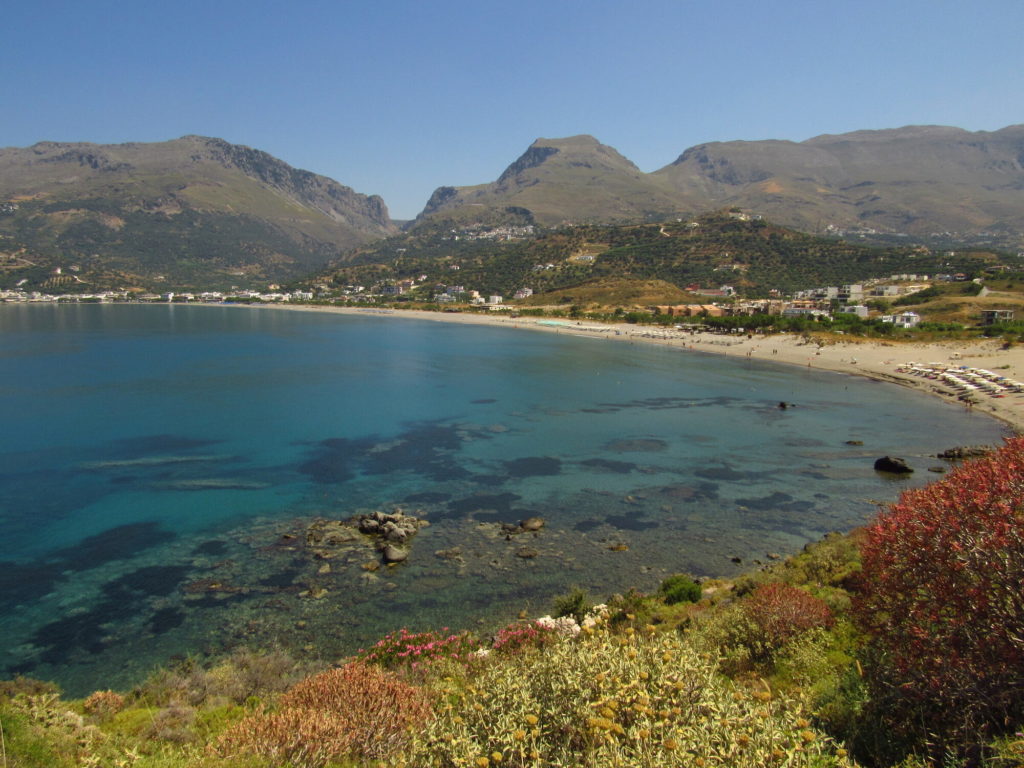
[{"x": 160, "y": 467}]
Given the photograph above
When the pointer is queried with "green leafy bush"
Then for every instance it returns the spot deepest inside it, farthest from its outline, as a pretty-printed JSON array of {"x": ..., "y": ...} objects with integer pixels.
[
  {"x": 574, "y": 603},
  {"x": 679, "y": 588}
]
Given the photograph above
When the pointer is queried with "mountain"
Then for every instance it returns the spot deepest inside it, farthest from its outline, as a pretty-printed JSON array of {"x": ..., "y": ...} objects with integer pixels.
[
  {"x": 916, "y": 180},
  {"x": 193, "y": 211},
  {"x": 576, "y": 179}
]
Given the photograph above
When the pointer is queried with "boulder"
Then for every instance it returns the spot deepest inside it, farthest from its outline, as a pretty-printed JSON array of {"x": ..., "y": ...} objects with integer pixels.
[
  {"x": 393, "y": 554},
  {"x": 892, "y": 465},
  {"x": 532, "y": 524}
]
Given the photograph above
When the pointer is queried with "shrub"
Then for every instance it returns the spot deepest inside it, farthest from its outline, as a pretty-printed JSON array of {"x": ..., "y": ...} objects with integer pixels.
[
  {"x": 103, "y": 704},
  {"x": 516, "y": 637},
  {"x": 641, "y": 699},
  {"x": 942, "y": 595},
  {"x": 172, "y": 724},
  {"x": 574, "y": 603},
  {"x": 781, "y": 612},
  {"x": 405, "y": 648},
  {"x": 679, "y": 588},
  {"x": 358, "y": 710},
  {"x": 237, "y": 677}
]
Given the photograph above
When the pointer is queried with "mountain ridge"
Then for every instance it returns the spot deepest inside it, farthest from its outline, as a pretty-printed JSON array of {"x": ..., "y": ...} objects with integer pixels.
[{"x": 916, "y": 179}]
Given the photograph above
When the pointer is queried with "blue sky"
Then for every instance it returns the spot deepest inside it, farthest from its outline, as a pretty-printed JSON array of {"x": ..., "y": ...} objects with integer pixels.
[{"x": 398, "y": 97}]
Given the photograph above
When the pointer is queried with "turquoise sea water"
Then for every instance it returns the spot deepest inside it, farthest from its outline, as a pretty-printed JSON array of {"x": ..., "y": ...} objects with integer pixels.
[{"x": 161, "y": 466}]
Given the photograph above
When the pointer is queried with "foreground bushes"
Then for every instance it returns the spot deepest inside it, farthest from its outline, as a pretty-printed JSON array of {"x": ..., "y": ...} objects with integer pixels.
[
  {"x": 614, "y": 699},
  {"x": 942, "y": 594},
  {"x": 357, "y": 711}
]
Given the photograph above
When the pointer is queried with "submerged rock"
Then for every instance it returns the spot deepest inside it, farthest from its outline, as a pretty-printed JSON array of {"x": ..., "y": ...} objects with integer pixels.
[{"x": 393, "y": 554}]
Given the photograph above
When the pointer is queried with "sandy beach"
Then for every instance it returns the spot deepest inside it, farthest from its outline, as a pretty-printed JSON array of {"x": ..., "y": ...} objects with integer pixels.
[{"x": 876, "y": 359}]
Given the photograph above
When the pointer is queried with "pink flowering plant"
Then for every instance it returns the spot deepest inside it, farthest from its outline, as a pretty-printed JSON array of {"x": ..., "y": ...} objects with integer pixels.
[
  {"x": 516, "y": 637},
  {"x": 405, "y": 648}
]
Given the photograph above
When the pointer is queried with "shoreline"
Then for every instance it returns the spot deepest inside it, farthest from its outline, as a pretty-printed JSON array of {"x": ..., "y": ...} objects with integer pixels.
[{"x": 873, "y": 359}]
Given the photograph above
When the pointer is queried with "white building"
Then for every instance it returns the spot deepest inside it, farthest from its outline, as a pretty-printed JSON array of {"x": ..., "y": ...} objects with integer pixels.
[{"x": 903, "y": 320}]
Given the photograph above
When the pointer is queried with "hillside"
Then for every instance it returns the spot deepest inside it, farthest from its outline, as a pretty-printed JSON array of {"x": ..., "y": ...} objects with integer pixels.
[
  {"x": 924, "y": 181},
  {"x": 193, "y": 212},
  {"x": 754, "y": 256}
]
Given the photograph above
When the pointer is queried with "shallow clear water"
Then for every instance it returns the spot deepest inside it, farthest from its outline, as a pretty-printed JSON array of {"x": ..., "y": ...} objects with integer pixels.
[{"x": 160, "y": 467}]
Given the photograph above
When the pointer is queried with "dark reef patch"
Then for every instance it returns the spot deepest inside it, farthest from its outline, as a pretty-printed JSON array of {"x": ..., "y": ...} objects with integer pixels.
[
  {"x": 334, "y": 460},
  {"x": 498, "y": 502},
  {"x": 81, "y": 632},
  {"x": 427, "y": 449},
  {"x": 427, "y": 497},
  {"x": 213, "y": 548},
  {"x": 630, "y": 523},
  {"x": 282, "y": 579},
  {"x": 116, "y": 543},
  {"x": 165, "y": 620},
  {"x": 483, "y": 401},
  {"x": 636, "y": 445},
  {"x": 803, "y": 442},
  {"x": 723, "y": 472},
  {"x": 534, "y": 466},
  {"x": 133, "y": 447},
  {"x": 583, "y": 526},
  {"x": 150, "y": 581},
  {"x": 26, "y": 582},
  {"x": 669, "y": 403},
  {"x": 776, "y": 501},
  {"x": 490, "y": 481},
  {"x": 690, "y": 493},
  {"x": 608, "y": 465}
]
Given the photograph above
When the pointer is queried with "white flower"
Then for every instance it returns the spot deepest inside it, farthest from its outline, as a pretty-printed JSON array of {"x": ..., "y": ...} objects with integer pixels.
[{"x": 564, "y": 625}]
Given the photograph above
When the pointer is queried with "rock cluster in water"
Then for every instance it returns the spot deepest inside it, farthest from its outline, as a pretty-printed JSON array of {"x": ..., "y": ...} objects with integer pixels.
[
  {"x": 965, "y": 452},
  {"x": 391, "y": 532}
]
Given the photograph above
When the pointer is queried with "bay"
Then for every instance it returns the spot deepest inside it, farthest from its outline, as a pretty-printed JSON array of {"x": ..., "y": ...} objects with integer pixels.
[{"x": 161, "y": 468}]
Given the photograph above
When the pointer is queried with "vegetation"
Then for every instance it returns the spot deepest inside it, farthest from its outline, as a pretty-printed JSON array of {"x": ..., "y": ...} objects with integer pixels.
[
  {"x": 753, "y": 256},
  {"x": 942, "y": 597},
  {"x": 898, "y": 645},
  {"x": 679, "y": 588}
]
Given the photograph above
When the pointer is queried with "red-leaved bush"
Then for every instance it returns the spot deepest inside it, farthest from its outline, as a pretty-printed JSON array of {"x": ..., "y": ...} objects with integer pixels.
[
  {"x": 781, "y": 612},
  {"x": 942, "y": 594},
  {"x": 356, "y": 711}
]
